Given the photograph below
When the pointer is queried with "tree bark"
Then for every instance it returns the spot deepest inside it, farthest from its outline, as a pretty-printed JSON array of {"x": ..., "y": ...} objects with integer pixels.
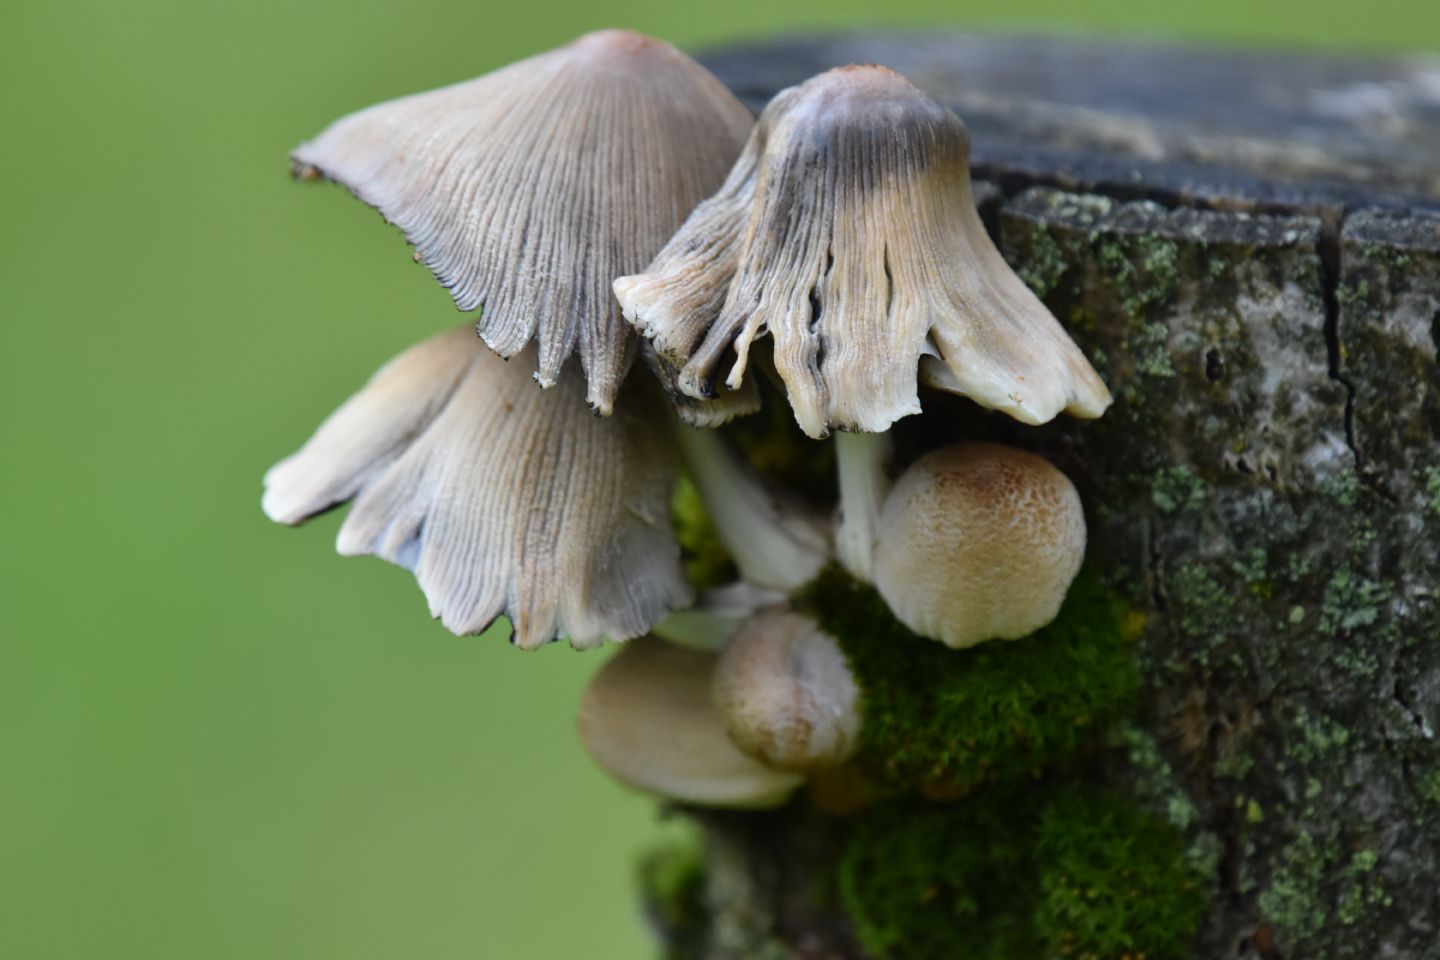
[{"x": 1247, "y": 246}]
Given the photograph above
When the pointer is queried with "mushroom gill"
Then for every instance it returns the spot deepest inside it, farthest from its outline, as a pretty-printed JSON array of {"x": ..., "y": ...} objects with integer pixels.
[
  {"x": 529, "y": 189},
  {"x": 500, "y": 498}
]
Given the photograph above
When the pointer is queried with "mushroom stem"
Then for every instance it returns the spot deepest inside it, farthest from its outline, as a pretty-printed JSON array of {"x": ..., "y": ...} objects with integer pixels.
[
  {"x": 774, "y": 540},
  {"x": 716, "y": 617},
  {"x": 860, "y": 460}
]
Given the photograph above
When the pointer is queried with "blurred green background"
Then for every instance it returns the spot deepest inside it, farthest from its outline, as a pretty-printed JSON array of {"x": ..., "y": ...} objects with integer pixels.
[{"x": 217, "y": 739}]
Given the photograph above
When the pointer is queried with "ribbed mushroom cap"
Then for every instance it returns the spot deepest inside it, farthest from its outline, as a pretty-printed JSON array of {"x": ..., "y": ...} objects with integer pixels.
[
  {"x": 499, "y": 497},
  {"x": 529, "y": 189},
  {"x": 979, "y": 541},
  {"x": 847, "y": 231},
  {"x": 647, "y": 720},
  {"x": 787, "y": 694}
]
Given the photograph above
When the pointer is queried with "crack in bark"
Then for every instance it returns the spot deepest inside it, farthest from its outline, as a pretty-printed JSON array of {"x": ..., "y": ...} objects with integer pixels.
[{"x": 1329, "y": 251}]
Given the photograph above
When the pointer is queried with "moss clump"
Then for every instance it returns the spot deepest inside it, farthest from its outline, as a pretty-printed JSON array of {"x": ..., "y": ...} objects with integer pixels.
[
  {"x": 1114, "y": 881},
  {"x": 672, "y": 887},
  {"x": 776, "y": 446},
  {"x": 947, "y": 720},
  {"x": 707, "y": 562},
  {"x": 1021, "y": 874},
  {"x": 923, "y": 881}
]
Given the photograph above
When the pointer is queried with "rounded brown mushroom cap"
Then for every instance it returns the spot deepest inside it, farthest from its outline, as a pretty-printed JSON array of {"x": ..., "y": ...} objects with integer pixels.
[
  {"x": 787, "y": 694},
  {"x": 648, "y": 721},
  {"x": 977, "y": 542}
]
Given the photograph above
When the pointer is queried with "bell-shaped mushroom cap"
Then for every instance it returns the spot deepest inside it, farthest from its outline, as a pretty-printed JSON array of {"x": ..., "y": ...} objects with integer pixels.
[
  {"x": 529, "y": 189},
  {"x": 847, "y": 231},
  {"x": 499, "y": 497},
  {"x": 647, "y": 720},
  {"x": 787, "y": 694},
  {"x": 978, "y": 542}
]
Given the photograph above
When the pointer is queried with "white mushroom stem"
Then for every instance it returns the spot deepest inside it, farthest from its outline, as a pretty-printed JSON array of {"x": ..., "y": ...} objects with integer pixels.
[
  {"x": 860, "y": 460},
  {"x": 716, "y": 617},
  {"x": 774, "y": 539}
]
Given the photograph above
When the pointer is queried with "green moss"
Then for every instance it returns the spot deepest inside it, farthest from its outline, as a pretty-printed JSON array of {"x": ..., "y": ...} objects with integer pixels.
[
  {"x": 1114, "y": 881},
  {"x": 672, "y": 886},
  {"x": 923, "y": 881},
  {"x": 947, "y": 720},
  {"x": 707, "y": 562},
  {"x": 1022, "y": 874},
  {"x": 775, "y": 445}
]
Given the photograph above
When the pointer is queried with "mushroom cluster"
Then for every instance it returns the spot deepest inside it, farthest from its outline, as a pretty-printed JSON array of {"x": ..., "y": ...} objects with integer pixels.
[{"x": 611, "y": 201}]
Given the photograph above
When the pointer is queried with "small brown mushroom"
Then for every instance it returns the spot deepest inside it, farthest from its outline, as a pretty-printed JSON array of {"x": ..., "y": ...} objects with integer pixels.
[
  {"x": 529, "y": 189},
  {"x": 847, "y": 232},
  {"x": 979, "y": 541},
  {"x": 648, "y": 721},
  {"x": 787, "y": 694},
  {"x": 500, "y": 498}
]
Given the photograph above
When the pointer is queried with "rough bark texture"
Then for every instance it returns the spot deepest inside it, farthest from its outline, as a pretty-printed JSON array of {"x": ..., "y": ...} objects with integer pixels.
[{"x": 1248, "y": 247}]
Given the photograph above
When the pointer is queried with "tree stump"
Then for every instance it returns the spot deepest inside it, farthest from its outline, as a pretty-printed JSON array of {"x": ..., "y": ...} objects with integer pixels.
[{"x": 1247, "y": 246}]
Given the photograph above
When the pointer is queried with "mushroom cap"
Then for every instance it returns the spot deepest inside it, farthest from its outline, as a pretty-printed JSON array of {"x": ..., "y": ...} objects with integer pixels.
[
  {"x": 785, "y": 689},
  {"x": 647, "y": 720},
  {"x": 500, "y": 498},
  {"x": 527, "y": 190},
  {"x": 979, "y": 541},
  {"x": 847, "y": 232}
]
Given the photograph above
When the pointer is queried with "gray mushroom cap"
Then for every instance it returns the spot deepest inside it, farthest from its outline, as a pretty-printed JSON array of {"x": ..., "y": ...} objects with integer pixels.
[
  {"x": 500, "y": 498},
  {"x": 979, "y": 541},
  {"x": 647, "y": 720},
  {"x": 847, "y": 232},
  {"x": 529, "y": 189}
]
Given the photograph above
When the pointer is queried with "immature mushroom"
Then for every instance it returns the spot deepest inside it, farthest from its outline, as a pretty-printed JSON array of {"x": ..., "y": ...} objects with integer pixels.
[
  {"x": 499, "y": 497},
  {"x": 647, "y": 720},
  {"x": 787, "y": 694},
  {"x": 979, "y": 541},
  {"x": 529, "y": 189},
  {"x": 847, "y": 231}
]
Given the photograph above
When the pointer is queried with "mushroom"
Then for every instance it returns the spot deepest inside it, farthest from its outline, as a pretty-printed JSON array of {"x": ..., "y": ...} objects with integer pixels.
[
  {"x": 847, "y": 231},
  {"x": 647, "y": 719},
  {"x": 979, "y": 541},
  {"x": 860, "y": 466},
  {"x": 775, "y": 540},
  {"x": 500, "y": 498},
  {"x": 718, "y": 614},
  {"x": 785, "y": 689},
  {"x": 527, "y": 190}
]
